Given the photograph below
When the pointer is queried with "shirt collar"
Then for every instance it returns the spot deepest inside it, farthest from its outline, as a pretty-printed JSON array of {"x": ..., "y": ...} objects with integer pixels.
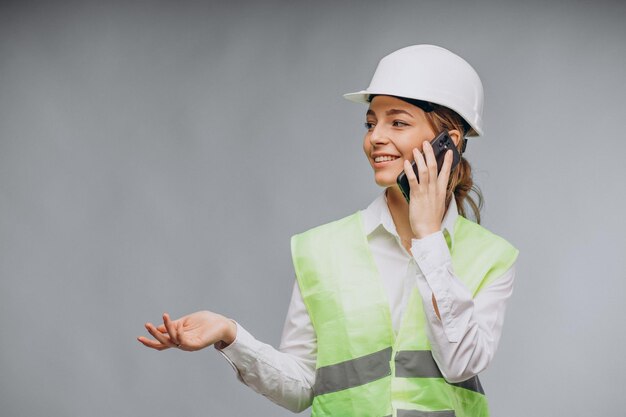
[{"x": 377, "y": 214}]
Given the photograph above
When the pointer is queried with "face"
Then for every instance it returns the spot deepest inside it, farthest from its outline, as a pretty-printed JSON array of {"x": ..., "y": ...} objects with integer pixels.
[{"x": 394, "y": 128}]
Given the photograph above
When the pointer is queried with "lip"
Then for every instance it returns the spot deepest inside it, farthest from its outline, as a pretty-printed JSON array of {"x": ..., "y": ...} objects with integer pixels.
[
  {"x": 377, "y": 154},
  {"x": 385, "y": 163}
]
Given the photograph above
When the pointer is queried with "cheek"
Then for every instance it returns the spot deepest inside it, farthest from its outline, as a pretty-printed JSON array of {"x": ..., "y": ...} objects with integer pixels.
[
  {"x": 366, "y": 145},
  {"x": 419, "y": 136},
  {"x": 408, "y": 145}
]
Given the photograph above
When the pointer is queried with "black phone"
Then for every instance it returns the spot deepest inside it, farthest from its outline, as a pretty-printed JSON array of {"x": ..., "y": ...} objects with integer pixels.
[{"x": 441, "y": 143}]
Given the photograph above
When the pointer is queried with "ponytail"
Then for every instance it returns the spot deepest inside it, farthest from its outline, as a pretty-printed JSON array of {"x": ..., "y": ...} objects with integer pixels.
[{"x": 460, "y": 185}]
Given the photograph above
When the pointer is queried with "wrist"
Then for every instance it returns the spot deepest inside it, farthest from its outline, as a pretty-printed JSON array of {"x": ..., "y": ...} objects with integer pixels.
[
  {"x": 426, "y": 231},
  {"x": 229, "y": 333}
]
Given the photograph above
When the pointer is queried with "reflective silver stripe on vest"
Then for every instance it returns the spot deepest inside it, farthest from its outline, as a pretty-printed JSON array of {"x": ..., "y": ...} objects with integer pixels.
[
  {"x": 352, "y": 373},
  {"x": 419, "y": 413},
  {"x": 416, "y": 364},
  {"x": 421, "y": 364}
]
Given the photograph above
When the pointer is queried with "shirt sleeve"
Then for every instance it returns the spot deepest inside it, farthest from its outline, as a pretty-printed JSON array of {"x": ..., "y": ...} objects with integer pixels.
[
  {"x": 465, "y": 339},
  {"x": 284, "y": 375}
]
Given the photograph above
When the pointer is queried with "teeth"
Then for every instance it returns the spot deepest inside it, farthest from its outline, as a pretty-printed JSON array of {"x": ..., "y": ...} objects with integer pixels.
[{"x": 385, "y": 158}]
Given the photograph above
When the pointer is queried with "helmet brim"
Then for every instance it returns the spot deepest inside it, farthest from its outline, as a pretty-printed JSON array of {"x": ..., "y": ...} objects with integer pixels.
[{"x": 358, "y": 96}]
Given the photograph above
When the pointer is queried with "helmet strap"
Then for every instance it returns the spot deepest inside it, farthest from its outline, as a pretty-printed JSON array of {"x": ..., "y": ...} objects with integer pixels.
[{"x": 464, "y": 146}]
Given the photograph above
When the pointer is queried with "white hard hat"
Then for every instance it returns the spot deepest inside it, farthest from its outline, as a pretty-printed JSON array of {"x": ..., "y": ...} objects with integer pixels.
[{"x": 433, "y": 74}]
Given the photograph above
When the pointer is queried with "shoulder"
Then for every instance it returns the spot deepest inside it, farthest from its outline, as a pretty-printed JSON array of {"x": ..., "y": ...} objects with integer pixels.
[
  {"x": 328, "y": 237},
  {"x": 477, "y": 241},
  {"x": 469, "y": 232},
  {"x": 313, "y": 250},
  {"x": 345, "y": 222},
  {"x": 479, "y": 250}
]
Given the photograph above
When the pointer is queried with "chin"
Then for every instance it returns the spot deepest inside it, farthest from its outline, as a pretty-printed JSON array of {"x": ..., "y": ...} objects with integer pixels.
[{"x": 385, "y": 182}]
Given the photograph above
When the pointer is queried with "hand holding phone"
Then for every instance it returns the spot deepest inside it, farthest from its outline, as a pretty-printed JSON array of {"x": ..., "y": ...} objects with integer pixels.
[{"x": 441, "y": 143}]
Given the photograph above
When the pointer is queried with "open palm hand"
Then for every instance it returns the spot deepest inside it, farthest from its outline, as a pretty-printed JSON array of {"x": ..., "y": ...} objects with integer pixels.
[{"x": 191, "y": 332}]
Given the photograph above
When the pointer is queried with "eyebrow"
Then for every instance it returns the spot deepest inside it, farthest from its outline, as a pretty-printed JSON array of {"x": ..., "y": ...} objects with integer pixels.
[{"x": 389, "y": 112}]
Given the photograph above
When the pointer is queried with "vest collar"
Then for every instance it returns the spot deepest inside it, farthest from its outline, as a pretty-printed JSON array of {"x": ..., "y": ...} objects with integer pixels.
[{"x": 377, "y": 214}]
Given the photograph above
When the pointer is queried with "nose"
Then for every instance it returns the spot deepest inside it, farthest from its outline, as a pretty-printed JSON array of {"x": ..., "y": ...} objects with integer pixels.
[{"x": 379, "y": 136}]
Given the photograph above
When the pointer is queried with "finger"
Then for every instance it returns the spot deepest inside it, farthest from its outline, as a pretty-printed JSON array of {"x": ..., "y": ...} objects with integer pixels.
[
  {"x": 151, "y": 343},
  {"x": 431, "y": 162},
  {"x": 444, "y": 175},
  {"x": 410, "y": 174},
  {"x": 180, "y": 332},
  {"x": 422, "y": 169},
  {"x": 162, "y": 328},
  {"x": 171, "y": 329},
  {"x": 163, "y": 338}
]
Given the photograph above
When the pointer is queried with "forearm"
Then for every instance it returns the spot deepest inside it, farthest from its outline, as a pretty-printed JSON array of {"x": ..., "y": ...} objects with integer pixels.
[
  {"x": 280, "y": 376},
  {"x": 464, "y": 332},
  {"x": 471, "y": 351},
  {"x": 284, "y": 375}
]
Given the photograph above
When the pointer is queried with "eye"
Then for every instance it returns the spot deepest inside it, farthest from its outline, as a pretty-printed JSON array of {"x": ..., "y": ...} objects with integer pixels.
[
  {"x": 368, "y": 125},
  {"x": 399, "y": 123}
]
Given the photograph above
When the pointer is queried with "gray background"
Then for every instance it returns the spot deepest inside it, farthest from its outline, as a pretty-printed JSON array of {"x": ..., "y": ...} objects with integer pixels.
[{"x": 157, "y": 156}]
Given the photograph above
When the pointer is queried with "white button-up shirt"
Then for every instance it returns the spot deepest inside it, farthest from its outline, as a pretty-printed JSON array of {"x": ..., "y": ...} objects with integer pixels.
[{"x": 463, "y": 341}]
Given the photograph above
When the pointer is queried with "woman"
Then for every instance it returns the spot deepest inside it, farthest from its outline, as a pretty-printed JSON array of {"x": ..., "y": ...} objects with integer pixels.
[{"x": 398, "y": 307}]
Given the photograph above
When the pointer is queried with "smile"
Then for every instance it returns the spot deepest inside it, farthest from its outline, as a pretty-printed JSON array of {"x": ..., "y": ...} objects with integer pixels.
[{"x": 385, "y": 158}]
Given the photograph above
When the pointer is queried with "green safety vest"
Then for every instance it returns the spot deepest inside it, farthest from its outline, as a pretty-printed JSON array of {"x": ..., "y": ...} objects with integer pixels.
[{"x": 363, "y": 369}]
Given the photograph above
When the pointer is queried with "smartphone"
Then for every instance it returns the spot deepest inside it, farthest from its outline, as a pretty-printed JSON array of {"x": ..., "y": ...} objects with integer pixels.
[{"x": 441, "y": 143}]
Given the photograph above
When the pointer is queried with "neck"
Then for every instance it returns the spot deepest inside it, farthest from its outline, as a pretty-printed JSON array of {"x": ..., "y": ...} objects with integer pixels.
[{"x": 399, "y": 209}]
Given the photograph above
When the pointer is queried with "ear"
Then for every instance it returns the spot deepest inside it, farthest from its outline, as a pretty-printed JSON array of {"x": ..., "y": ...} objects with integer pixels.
[{"x": 455, "y": 135}]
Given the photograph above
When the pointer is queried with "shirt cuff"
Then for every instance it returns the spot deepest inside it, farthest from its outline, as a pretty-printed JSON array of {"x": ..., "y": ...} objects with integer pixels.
[
  {"x": 431, "y": 252},
  {"x": 240, "y": 352}
]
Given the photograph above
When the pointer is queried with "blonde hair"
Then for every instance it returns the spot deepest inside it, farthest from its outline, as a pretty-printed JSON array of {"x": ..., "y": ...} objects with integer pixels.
[{"x": 460, "y": 183}]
